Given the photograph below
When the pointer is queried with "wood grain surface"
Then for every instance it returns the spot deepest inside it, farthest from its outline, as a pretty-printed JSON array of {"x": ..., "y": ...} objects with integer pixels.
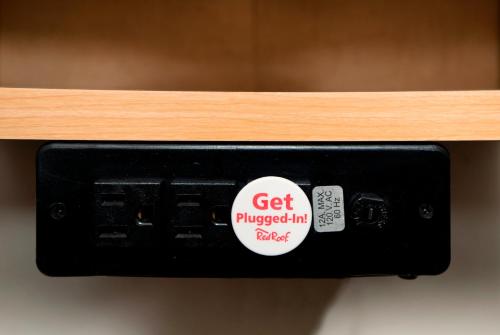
[
  {"x": 252, "y": 116},
  {"x": 250, "y": 45}
]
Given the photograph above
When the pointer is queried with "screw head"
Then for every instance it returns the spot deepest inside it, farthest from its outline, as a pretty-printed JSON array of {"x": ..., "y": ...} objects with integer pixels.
[
  {"x": 426, "y": 211},
  {"x": 58, "y": 211}
]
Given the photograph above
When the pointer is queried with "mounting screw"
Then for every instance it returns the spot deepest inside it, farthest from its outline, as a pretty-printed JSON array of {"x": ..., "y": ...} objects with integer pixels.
[
  {"x": 58, "y": 211},
  {"x": 426, "y": 211}
]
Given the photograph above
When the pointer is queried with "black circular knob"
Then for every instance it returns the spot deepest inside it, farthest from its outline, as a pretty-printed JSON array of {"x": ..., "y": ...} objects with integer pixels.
[{"x": 369, "y": 210}]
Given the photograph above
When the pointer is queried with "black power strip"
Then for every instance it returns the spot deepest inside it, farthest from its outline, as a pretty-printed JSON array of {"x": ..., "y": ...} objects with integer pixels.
[{"x": 243, "y": 210}]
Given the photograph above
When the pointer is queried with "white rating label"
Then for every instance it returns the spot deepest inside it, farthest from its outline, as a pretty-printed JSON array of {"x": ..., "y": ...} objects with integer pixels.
[
  {"x": 328, "y": 209},
  {"x": 271, "y": 216}
]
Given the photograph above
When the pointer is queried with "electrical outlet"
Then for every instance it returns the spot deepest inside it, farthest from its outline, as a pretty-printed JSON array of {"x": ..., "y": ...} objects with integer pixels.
[{"x": 243, "y": 209}]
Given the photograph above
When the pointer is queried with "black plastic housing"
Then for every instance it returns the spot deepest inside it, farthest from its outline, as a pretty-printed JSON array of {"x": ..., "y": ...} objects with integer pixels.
[{"x": 162, "y": 209}]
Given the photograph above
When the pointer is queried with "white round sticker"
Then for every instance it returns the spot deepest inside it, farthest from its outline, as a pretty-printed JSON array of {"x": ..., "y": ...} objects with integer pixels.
[{"x": 271, "y": 216}]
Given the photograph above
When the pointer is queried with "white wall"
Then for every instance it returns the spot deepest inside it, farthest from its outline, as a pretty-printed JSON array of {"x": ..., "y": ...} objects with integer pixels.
[{"x": 464, "y": 300}]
